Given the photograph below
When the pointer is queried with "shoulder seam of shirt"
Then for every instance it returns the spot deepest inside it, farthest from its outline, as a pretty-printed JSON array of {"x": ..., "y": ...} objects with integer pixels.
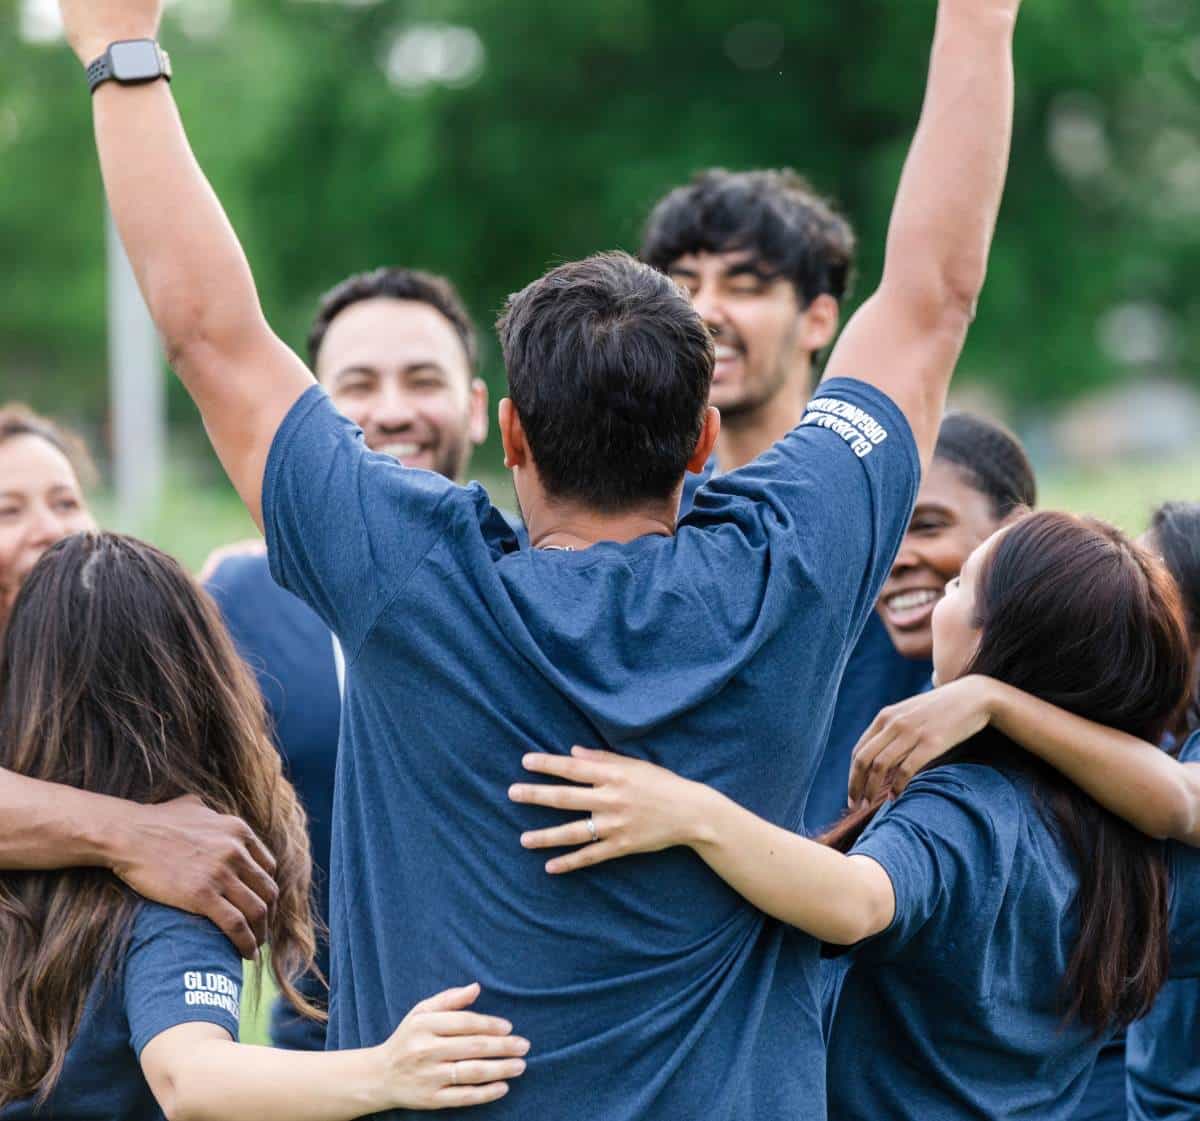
[{"x": 401, "y": 588}]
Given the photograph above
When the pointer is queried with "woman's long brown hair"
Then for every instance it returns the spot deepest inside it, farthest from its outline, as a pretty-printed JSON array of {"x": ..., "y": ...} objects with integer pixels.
[
  {"x": 1075, "y": 613},
  {"x": 118, "y": 677}
]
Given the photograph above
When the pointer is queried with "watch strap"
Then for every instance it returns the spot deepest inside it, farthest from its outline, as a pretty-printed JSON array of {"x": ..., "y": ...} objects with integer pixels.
[{"x": 101, "y": 70}]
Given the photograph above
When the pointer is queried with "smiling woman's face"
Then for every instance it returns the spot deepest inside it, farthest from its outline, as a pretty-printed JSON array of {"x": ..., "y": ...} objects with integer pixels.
[
  {"x": 950, "y": 520},
  {"x": 41, "y": 502},
  {"x": 954, "y": 624}
]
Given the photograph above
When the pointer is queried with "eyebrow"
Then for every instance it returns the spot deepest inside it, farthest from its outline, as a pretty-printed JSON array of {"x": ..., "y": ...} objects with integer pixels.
[{"x": 747, "y": 266}]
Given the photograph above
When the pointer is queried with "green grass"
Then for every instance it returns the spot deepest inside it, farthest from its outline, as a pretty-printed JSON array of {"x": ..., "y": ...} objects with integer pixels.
[
  {"x": 1123, "y": 493},
  {"x": 196, "y": 519}
]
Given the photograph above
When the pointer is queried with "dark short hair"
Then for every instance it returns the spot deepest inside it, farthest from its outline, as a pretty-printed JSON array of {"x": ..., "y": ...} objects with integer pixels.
[
  {"x": 776, "y": 215},
  {"x": 395, "y": 284},
  {"x": 609, "y": 369},
  {"x": 991, "y": 459}
]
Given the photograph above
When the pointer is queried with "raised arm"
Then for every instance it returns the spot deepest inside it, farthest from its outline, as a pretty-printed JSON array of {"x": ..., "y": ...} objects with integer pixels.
[
  {"x": 1129, "y": 777},
  {"x": 180, "y": 854},
  {"x": 187, "y": 259},
  {"x": 907, "y": 338},
  {"x": 635, "y": 806}
]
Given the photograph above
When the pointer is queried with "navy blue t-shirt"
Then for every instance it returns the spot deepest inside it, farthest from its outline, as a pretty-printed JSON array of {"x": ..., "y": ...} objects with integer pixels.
[
  {"x": 955, "y": 1011},
  {"x": 291, "y": 653},
  {"x": 1163, "y": 1050},
  {"x": 876, "y": 676},
  {"x": 649, "y": 988},
  {"x": 177, "y": 969}
]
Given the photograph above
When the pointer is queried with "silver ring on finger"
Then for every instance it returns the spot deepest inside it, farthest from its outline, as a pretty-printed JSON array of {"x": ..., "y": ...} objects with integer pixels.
[
  {"x": 454, "y": 1074},
  {"x": 591, "y": 824}
]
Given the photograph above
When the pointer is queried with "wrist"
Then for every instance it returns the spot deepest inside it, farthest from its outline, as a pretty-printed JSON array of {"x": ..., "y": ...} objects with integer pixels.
[
  {"x": 368, "y": 1079},
  {"x": 103, "y": 832},
  {"x": 702, "y": 824},
  {"x": 992, "y": 696}
]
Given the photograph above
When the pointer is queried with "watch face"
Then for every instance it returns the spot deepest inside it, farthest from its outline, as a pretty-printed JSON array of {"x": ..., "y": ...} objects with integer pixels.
[{"x": 135, "y": 61}]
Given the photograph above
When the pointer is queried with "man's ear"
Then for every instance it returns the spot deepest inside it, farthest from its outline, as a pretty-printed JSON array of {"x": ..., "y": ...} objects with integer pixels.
[
  {"x": 512, "y": 436},
  {"x": 820, "y": 325},
  {"x": 478, "y": 406},
  {"x": 707, "y": 441}
]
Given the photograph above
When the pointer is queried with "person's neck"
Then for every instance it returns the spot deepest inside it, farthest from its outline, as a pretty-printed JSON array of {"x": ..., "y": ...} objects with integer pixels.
[
  {"x": 745, "y": 436},
  {"x": 564, "y": 527}
]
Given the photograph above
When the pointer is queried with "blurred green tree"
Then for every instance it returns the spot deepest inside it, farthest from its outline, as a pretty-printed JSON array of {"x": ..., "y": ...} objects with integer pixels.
[{"x": 488, "y": 140}]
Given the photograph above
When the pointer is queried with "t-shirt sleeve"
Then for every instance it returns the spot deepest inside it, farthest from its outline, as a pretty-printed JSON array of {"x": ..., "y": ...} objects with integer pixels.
[
  {"x": 179, "y": 969},
  {"x": 943, "y": 844},
  {"x": 835, "y": 495},
  {"x": 345, "y": 526}
]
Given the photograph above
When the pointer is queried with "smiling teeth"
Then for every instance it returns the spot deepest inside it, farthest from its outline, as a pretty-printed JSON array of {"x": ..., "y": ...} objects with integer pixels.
[
  {"x": 907, "y": 601},
  {"x": 726, "y": 353},
  {"x": 400, "y": 451}
]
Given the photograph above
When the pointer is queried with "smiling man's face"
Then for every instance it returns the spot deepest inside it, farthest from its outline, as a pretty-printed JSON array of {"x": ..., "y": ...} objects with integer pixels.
[
  {"x": 399, "y": 370},
  {"x": 760, "y": 330}
]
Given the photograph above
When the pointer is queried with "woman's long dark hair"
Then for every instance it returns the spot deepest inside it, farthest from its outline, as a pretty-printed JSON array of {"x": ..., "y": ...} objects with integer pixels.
[
  {"x": 117, "y": 676},
  {"x": 1073, "y": 612},
  {"x": 1175, "y": 532}
]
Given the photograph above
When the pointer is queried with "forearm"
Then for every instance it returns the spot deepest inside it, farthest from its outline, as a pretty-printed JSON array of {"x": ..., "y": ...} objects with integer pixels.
[
  {"x": 187, "y": 258},
  {"x": 949, "y": 197},
  {"x": 837, "y": 898},
  {"x": 196, "y": 280},
  {"x": 225, "y": 1081},
  {"x": 1131, "y": 778},
  {"x": 45, "y": 826}
]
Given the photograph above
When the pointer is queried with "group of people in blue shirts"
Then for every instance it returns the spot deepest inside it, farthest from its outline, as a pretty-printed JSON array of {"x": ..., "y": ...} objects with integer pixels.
[{"x": 867, "y": 790}]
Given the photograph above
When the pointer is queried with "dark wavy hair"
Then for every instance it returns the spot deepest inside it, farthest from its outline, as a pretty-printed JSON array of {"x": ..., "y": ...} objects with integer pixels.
[
  {"x": 1072, "y": 611},
  {"x": 1175, "y": 532},
  {"x": 117, "y": 676},
  {"x": 776, "y": 215}
]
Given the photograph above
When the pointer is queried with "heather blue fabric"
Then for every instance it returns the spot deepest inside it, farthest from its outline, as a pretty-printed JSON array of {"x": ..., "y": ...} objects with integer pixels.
[
  {"x": 1163, "y": 1053},
  {"x": 649, "y": 988},
  {"x": 876, "y": 676},
  {"x": 177, "y": 969},
  {"x": 954, "y": 1012},
  {"x": 291, "y": 653}
]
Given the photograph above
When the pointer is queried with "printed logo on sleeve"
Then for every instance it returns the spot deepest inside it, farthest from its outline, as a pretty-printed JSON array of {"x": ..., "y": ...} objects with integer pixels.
[
  {"x": 212, "y": 990},
  {"x": 858, "y": 428}
]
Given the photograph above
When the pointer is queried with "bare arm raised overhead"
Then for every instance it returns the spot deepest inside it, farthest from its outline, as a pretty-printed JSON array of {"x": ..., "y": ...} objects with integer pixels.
[
  {"x": 907, "y": 338},
  {"x": 186, "y": 255}
]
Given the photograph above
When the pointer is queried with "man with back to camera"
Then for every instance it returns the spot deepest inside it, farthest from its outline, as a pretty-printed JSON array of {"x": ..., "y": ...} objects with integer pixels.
[
  {"x": 705, "y": 649},
  {"x": 397, "y": 353},
  {"x": 768, "y": 263}
]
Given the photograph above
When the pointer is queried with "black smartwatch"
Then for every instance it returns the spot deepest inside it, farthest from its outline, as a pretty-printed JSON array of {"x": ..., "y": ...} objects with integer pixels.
[{"x": 131, "y": 62}]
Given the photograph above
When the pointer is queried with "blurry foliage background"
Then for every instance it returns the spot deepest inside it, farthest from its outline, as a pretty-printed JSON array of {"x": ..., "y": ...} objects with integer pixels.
[{"x": 489, "y": 138}]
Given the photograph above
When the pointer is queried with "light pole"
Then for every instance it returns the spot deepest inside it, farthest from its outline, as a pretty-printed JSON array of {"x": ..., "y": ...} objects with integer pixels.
[{"x": 137, "y": 393}]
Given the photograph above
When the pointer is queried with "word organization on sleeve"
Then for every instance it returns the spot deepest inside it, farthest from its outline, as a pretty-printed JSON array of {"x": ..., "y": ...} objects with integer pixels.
[
  {"x": 211, "y": 990},
  {"x": 858, "y": 428}
]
